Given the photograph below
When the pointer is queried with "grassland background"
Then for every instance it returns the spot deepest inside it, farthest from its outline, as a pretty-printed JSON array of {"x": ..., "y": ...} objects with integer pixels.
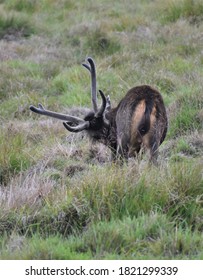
[{"x": 61, "y": 197}]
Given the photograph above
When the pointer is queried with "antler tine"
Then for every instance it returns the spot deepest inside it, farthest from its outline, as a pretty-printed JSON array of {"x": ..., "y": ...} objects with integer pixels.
[
  {"x": 103, "y": 106},
  {"x": 92, "y": 70},
  {"x": 86, "y": 66},
  {"x": 77, "y": 128},
  {"x": 40, "y": 110}
]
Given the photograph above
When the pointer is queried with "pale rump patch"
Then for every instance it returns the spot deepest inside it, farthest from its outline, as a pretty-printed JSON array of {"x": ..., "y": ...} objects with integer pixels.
[
  {"x": 146, "y": 137},
  {"x": 137, "y": 116},
  {"x": 137, "y": 140}
]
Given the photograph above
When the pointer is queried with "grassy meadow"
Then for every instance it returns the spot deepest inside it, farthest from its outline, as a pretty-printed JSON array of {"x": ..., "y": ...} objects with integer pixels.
[{"x": 60, "y": 196}]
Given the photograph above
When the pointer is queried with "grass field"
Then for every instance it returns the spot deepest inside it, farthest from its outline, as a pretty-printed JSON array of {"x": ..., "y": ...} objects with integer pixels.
[{"x": 61, "y": 197}]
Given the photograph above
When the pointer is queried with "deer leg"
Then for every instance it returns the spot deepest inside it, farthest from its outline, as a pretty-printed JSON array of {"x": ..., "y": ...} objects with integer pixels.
[
  {"x": 154, "y": 151},
  {"x": 113, "y": 149},
  {"x": 122, "y": 151}
]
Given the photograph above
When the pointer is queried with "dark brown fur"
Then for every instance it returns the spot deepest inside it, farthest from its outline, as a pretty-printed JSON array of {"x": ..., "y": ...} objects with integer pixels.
[{"x": 139, "y": 120}]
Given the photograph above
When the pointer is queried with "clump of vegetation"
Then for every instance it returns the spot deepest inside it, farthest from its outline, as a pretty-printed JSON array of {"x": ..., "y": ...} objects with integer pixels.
[
  {"x": 174, "y": 10},
  {"x": 100, "y": 43},
  {"x": 22, "y": 5},
  {"x": 13, "y": 27},
  {"x": 12, "y": 159},
  {"x": 186, "y": 119}
]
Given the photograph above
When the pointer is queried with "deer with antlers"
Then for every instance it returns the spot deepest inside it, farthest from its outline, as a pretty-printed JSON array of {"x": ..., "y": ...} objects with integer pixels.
[{"x": 138, "y": 121}]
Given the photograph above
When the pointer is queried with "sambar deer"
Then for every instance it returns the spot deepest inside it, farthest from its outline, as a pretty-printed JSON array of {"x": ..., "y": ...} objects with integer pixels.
[{"x": 139, "y": 120}]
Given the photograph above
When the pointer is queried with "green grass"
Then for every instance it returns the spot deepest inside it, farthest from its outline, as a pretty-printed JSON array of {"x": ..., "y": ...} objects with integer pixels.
[
  {"x": 120, "y": 239},
  {"x": 186, "y": 119},
  {"x": 61, "y": 197},
  {"x": 22, "y": 5},
  {"x": 99, "y": 43},
  {"x": 191, "y": 9},
  {"x": 12, "y": 159},
  {"x": 15, "y": 25}
]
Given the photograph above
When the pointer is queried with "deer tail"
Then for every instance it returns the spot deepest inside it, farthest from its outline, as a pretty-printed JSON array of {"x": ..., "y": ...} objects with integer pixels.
[{"x": 144, "y": 124}]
